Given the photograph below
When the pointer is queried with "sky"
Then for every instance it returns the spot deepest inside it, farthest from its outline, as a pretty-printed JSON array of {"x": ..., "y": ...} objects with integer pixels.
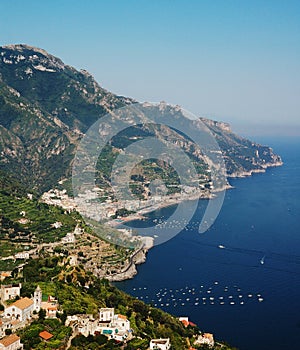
[{"x": 235, "y": 61}]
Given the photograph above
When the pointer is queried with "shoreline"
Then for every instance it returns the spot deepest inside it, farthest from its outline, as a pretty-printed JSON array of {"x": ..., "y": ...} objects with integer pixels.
[
  {"x": 130, "y": 271},
  {"x": 139, "y": 255}
]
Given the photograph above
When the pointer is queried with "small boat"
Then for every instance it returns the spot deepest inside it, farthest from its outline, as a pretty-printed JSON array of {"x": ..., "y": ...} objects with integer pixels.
[
  {"x": 221, "y": 246},
  {"x": 262, "y": 260}
]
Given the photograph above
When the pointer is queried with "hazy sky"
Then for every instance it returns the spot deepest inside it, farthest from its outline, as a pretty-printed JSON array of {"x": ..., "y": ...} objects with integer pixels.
[{"x": 237, "y": 61}]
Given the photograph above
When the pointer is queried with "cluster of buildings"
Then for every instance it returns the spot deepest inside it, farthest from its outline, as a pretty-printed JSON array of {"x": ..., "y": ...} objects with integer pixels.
[
  {"x": 22, "y": 309},
  {"x": 203, "y": 338},
  {"x": 20, "y": 312},
  {"x": 114, "y": 326}
]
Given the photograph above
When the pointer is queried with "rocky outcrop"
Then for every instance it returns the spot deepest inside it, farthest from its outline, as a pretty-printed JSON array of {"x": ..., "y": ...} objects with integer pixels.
[{"x": 139, "y": 257}]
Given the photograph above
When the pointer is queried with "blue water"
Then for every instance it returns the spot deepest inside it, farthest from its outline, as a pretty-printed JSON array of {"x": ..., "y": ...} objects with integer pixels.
[{"x": 253, "y": 305}]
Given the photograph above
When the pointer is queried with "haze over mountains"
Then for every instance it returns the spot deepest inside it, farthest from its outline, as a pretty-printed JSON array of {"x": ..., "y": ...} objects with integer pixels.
[{"x": 46, "y": 107}]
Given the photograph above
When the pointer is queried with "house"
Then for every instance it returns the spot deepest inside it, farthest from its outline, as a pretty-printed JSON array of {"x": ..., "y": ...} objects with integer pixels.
[
  {"x": 69, "y": 238},
  {"x": 10, "y": 291},
  {"x": 50, "y": 306},
  {"x": 21, "y": 310},
  {"x": 4, "y": 324},
  {"x": 73, "y": 260},
  {"x": 11, "y": 342},
  {"x": 184, "y": 321},
  {"x": 106, "y": 315},
  {"x": 121, "y": 323},
  {"x": 78, "y": 230},
  {"x": 84, "y": 324},
  {"x": 160, "y": 344},
  {"x": 45, "y": 335},
  {"x": 22, "y": 255},
  {"x": 205, "y": 339}
]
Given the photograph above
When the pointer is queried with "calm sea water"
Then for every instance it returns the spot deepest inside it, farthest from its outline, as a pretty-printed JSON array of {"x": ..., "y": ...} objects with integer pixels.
[{"x": 247, "y": 293}]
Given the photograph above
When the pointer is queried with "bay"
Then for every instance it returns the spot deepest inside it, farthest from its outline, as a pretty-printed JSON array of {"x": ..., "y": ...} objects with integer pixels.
[{"x": 241, "y": 279}]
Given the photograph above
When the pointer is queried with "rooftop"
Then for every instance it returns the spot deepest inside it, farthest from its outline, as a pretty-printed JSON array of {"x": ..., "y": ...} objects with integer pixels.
[
  {"x": 22, "y": 303},
  {"x": 45, "y": 335},
  {"x": 9, "y": 340},
  {"x": 122, "y": 317}
]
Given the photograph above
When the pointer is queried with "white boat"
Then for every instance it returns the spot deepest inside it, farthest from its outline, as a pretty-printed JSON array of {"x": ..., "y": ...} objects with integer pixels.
[
  {"x": 262, "y": 260},
  {"x": 221, "y": 246}
]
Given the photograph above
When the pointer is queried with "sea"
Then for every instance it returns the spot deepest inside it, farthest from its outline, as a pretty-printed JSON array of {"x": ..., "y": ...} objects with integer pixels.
[{"x": 240, "y": 280}]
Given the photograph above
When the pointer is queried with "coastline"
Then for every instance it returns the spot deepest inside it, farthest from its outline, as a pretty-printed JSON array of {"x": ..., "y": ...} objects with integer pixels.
[
  {"x": 131, "y": 270},
  {"x": 139, "y": 255},
  {"x": 263, "y": 169}
]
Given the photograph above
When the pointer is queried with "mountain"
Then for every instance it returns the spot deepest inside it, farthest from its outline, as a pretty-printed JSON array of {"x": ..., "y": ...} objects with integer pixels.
[{"x": 46, "y": 107}]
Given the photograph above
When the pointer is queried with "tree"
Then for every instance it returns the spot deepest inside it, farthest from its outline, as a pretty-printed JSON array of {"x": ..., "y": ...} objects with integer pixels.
[
  {"x": 42, "y": 315},
  {"x": 8, "y": 331}
]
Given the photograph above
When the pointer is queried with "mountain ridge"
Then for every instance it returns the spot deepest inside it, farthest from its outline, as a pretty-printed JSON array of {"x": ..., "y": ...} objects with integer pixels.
[{"x": 46, "y": 107}]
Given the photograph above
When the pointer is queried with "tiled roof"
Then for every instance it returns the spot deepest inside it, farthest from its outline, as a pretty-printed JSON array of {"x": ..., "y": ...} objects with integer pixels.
[
  {"x": 46, "y": 335},
  {"x": 9, "y": 340},
  {"x": 122, "y": 317},
  {"x": 185, "y": 323},
  {"x": 22, "y": 303},
  {"x": 208, "y": 336}
]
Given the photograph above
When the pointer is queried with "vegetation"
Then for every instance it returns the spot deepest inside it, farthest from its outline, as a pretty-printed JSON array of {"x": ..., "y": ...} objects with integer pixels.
[
  {"x": 31, "y": 339},
  {"x": 25, "y": 222}
]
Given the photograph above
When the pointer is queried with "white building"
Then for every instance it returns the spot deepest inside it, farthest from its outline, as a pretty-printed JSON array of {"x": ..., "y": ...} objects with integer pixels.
[
  {"x": 73, "y": 260},
  {"x": 50, "y": 306},
  {"x": 109, "y": 320},
  {"x": 22, "y": 255},
  {"x": 37, "y": 299},
  {"x": 106, "y": 315},
  {"x": 160, "y": 344},
  {"x": 113, "y": 326},
  {"x": 4, "y": 325},
  {"x": 205, "y": 339},
  {"x": 69, "y": 238},
  {"x": 87, "y": 325},
  {"x": 11, "y": 342},
  {"x": 56, "y": 224},
  {"x": 84, "y": 324},
  {"x": 20, "y": 310},
  {"x": 78, "y": 230},
  {"x": 121, "y": 323},
  {"x": 10, "y": 291}
]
